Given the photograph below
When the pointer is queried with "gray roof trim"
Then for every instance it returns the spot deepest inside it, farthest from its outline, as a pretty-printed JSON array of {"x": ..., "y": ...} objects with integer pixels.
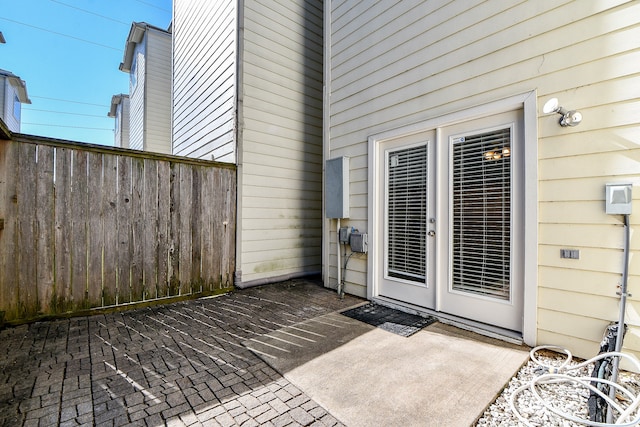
[
  {"x": 136, "y": 35},
  {"x": 19, "y": 84},
  {"x": 115, "y": 100}
]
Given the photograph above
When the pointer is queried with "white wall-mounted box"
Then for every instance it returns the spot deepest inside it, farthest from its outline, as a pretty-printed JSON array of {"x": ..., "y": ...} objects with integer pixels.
[{"x": 618, "y": 198}]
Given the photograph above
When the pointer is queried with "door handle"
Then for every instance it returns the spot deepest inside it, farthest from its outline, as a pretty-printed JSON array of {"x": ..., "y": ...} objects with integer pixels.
[{"x": 431, "y": 233}]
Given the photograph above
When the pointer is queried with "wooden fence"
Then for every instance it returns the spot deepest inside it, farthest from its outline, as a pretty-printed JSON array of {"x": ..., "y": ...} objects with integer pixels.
[{"x": 84, "y": 226}]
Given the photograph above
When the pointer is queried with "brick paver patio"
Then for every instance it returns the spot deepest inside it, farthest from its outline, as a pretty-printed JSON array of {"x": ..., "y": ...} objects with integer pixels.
[{"x": 175, "y": 365}]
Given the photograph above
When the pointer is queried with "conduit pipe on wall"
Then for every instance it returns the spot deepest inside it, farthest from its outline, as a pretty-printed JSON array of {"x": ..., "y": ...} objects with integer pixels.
[
  {"x": 339, "y": 263},
  {"x": 623, "y": 307},
  {"x": 623, "y": 285}
]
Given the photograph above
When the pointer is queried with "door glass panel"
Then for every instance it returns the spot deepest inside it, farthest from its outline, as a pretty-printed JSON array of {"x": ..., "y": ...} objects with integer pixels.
[
  {"x": 406, "y": 204},
  {"x": 481, "y": 216}
]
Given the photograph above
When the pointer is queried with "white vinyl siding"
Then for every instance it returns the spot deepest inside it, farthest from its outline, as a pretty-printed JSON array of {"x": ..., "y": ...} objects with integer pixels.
[
  {"x": 204, "y": 98},
  {"x": 4, "y": 87},
  {"x": 150, "y": 93},
  {"x": 137, "y": 99},
  {"x": 7, "y": 96},
  {"x": 157, "y": 136},
  {"x": 399, "y": 63},
  {"x": 281, "y": 157},
  {"x": 122, "y": 123}
]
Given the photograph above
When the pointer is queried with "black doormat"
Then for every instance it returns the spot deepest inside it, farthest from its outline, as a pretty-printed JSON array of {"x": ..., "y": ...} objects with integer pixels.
[{"x": 395, "y": 321}]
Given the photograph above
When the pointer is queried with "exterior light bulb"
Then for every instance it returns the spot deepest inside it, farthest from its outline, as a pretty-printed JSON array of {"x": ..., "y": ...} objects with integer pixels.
[{"x": 569, "y": 118}]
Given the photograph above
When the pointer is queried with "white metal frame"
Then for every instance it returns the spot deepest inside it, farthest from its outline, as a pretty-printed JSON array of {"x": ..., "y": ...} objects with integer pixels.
[{"x": 526, "y": 101}]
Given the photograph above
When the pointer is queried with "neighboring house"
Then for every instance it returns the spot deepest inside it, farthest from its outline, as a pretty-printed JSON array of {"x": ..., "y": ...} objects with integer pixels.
[
  {"x": 248, "y": 90},
  {"x": 13, "y": 93},
  {"x": 147, "y": 59},
  {"x": 120, "y": 112},
  {"x": 467, "y": 190}
]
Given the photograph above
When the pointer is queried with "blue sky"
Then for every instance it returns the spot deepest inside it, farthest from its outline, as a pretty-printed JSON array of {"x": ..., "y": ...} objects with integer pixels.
[{"x": 68, "y": 53}]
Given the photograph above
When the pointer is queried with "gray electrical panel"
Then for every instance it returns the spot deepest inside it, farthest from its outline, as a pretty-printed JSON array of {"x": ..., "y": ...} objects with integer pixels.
[{"x": 336, "y": 187}]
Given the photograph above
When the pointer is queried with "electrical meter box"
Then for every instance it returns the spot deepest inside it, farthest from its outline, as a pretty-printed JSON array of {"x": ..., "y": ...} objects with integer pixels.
[
  {"x": 359, "y": 242},
  {"x": 618, "y": 198},
  {"x": 336, "y": 187},
  {"x": 343, "y": 235}
]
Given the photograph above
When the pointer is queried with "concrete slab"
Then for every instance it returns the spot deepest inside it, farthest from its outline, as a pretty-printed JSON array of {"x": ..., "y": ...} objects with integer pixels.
[{"x": 364, "y": 376}]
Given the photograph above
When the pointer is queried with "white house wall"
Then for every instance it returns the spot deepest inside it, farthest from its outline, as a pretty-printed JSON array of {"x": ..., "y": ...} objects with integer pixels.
[
  {"x": 7, "y": 97},
  {"x": 398, "y": 63},
  {"x": 136, "y": 100},
  {"x": 157, "y": 89},
  {"x": 4, "y": 87},
  {"x": 122, "y": 124},
  {"x": 204, "y": 98},
  {"x": 119, "y": 142},
  {"x": 280, "y": 165}
]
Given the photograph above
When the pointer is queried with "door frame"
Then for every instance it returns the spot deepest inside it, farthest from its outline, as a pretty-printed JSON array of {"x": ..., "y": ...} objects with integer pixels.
[{"x": 526, "y": 101}]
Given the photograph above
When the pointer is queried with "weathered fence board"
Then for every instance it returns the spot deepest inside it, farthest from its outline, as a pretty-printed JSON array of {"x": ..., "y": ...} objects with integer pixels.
[
  {"x": 61, "y": 299},
  {"x": 94, "y": 230},
  {"x": 228, "y": 231},
  {"x": 207, "y": 243},
  {"x": 109, "y": 230},
  {"x": 9, "y": 236},
  {"x": 185, "y": 225},
  {"x": 150, "y": 235},
  {"x": 196, "y": 229},
  {"x": 218, "y": 228},
  {"x": 123, "y": 281},
  {"x": 4, "y": 152},
  {"x": 45, "y": 226},
  {"x": 90, "y": 227},
  {"x": 26, "y": 202},
  {"x": 137, "y": 231},
  {"x": 174, "y": 230},
  {"x": 163, "y": 225},
  {"x": 79, "y": 229}
]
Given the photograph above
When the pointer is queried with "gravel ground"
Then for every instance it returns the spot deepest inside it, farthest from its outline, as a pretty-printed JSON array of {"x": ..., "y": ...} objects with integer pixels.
[{"x": 564, "y": 396}]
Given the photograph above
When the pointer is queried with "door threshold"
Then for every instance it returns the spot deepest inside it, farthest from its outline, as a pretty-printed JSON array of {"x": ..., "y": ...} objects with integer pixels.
[{"x": 480, "y": 328}]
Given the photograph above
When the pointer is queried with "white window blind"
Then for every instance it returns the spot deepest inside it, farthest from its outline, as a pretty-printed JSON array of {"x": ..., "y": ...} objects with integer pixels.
[
  {"x": 481, "y": 188},
  {"x": 406, "y": 213}
]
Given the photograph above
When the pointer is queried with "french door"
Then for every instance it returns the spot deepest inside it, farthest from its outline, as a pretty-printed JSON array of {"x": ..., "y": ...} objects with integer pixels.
[
  {"x": 451, "y": 220},
  {"x": 484, "y": 220},
  {"x": 408, "y": 268}
]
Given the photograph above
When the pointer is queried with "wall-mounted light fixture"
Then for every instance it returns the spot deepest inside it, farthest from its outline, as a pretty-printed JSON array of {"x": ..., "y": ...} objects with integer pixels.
[
  {"x": 497, "y": 153},
  {"x": 569, "y": 118}
]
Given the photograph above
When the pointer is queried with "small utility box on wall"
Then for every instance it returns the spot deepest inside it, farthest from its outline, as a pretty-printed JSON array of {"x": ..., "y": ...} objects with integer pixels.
[
  {"x": 359, "y": 242},
  {"x": 618, "y": 199},
  {"x": 336, "y": 187}
]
